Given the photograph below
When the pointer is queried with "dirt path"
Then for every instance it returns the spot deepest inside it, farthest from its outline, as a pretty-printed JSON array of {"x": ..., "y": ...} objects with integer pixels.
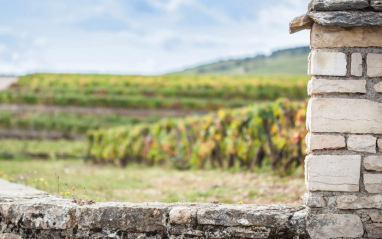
[
  {"x": 138, "y": 113},
  {"x": 7, "y": 81}
]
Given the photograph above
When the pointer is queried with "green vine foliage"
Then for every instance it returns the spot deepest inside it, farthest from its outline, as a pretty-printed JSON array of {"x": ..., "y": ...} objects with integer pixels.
[{"x": 243, "y": 137}]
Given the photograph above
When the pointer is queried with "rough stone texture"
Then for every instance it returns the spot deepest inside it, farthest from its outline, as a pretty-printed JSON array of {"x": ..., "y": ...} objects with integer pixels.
[
  {"x": 336, "y": 115},
  {"x": 378, "y": 87},
  {"x": 373, "y": 163},
  {"x": 300, "y": 23},
  {"x": 30, "y": 214},
  {"x": 314, "y": 201},
  {"x": 334, "y": 225},
  {"x": 359, "y": 202},
  {"x": 322, "y": 86},
  {"x": 376, "y": 4},
  {"x": 373, "y": 182},
  {"x": 315, "y": 142},
  {"x": 327, "y": 63},
  {"x": 337, "y": 37},
  {"x": 379, "y": 145},
  {"x": 356, "y": 64},
  {"x": 337, "y": 5},
  {"x": 332, "y": 172},
  {"x": 376, "y": 217},
  {"x": 347, "y": 19},
  {"x": 374, "y": 230},
  {"x": 374, "y": 65},
  {"x": 362, "y": 143}
]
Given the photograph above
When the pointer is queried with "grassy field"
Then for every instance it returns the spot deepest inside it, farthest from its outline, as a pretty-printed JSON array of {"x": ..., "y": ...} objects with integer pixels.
[{"x": 142, "y": 184}]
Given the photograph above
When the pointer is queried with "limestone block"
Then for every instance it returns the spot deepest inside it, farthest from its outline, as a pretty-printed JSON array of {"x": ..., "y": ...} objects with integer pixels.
[
  {"x": 374, "y": 230},
  {"x": 9, "y": 236},
  {"x": 362, "y": 143},
  {"x": 337, "y": 5},
  {"x": 315, "y": 142},
  {"x": 373, "y": 163},
  {"x": 334, "y": 225},
  {"x": 378, "y": 87},
  {"x": 327, "y": 63},
  {"x": 338, "y": 115},
  {"x": 182, "y": 215},
  {"x": 374, "y": 65},
  {"x": 356, "y": 64},
  {"x": 332, "y": 172},
  {"x": 380, "y": 145},
  {"x": 300, "y": 23},
  {"x": 353, "y": 202},
  {"x": 376, "y": 4},
  {"x": 337, "y": 37},
  {"x": 321, "y": 86},
  {"x": 347, "y": 18},
  {"x": 314, "y": 201},
  {"x": 373, "y": 182},
  {"x": 376, "y": 217}
]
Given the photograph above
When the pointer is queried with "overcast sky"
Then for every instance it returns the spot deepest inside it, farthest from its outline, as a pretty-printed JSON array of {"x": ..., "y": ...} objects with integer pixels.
[{"x": 140, "y": 36}]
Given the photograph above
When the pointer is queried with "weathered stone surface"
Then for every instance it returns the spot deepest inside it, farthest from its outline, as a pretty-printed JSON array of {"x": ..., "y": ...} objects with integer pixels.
[
  {"x": 356, "y": 64},
  {"x": 332, "y": 172},
  {"x": 362, "y": 143},
  {"x": 337, "y": 5},
  {"x": 327, "y": 63},
  {"x": 334, "y": 225},
  {"x": 359, "y": 202},
  {"x": 373, "y": 163},
  {"x": 376, "y": 217},
  {"x": 337, "y": 37},
  {"x": 126, "y": 217},
  {"x": 347, "y": 19},
  {"x": 373, "y": 182},
  {"x": 374, "y": 230},
  {"x": 9, "y": 236},
  {"x": 314, "y": 201},
  {"x": 300, "y": 23},
  {"x": 379, "y": 145},
  {"x": 315, "y": 142},
  {"x": 336, "y": 115},
  {"x": 233, "y": 215},
  {"x": 182, "y": 215},
  {"x": 376, "y": 4},
  {"x": 378, "y": 87},
  {"x": 322, "y": 86},
  {"x": 374, "y": 65}
]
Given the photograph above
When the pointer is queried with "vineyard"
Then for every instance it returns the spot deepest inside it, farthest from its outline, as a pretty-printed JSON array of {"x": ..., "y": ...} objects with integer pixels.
[{"x": 242, "y": 137}]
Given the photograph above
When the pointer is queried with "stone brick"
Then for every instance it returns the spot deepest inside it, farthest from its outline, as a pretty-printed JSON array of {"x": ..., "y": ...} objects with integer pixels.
[
  {"x": 315, "y": 142},
  {"x": 374, "y": 230},
  {"x": 373, "y": 182},
  {"x": 376, "y": 4},
  {"x": 374, "y": 65},
  {"x": 353, "y": 202},
  {"x": 314, "y": 201},
  {"x": 336, "y": 115},
  {"x": 334, "y": 225},
  {"x": 376, "y": 217},
  {"x": 182, "y": 215},
  {"x": 327, "y": 63},
  {"x": 373, "y": 163},
  {"x": 321, "y": 86},
  {"x": 337, "y": 5},
  {"x": 332, "y": 173},
  {"x": 380, "y": 145},
  {"x": 356, "y": 64},
  {"x": 378, "y": 87},
  {"x": 362, "y": 143},
  {"x": 338, "y": 37}
]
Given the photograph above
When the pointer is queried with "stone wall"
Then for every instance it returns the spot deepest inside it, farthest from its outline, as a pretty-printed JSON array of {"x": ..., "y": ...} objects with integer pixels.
[
  {"x": 344, "y": 119},
  {"x": 28, "y": 213}
]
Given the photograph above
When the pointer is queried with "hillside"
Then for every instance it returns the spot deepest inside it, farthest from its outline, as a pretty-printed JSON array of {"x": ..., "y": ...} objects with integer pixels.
[{"x": 287, "y": 61}]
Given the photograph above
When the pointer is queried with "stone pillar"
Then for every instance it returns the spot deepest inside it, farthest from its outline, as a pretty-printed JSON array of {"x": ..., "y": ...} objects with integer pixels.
[{"x": 343, "y": 168}]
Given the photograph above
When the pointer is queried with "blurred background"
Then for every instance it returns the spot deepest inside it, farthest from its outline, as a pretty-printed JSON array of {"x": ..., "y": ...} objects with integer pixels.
[{"x": 154, "y": 100}]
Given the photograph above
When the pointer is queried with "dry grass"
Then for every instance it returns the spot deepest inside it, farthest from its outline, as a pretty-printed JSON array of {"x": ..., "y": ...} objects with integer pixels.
[{"x": 140, "y": 184}]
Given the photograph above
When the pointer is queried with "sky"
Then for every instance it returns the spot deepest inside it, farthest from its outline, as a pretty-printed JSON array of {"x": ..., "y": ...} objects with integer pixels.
[{"x": 140, "y": 36}]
